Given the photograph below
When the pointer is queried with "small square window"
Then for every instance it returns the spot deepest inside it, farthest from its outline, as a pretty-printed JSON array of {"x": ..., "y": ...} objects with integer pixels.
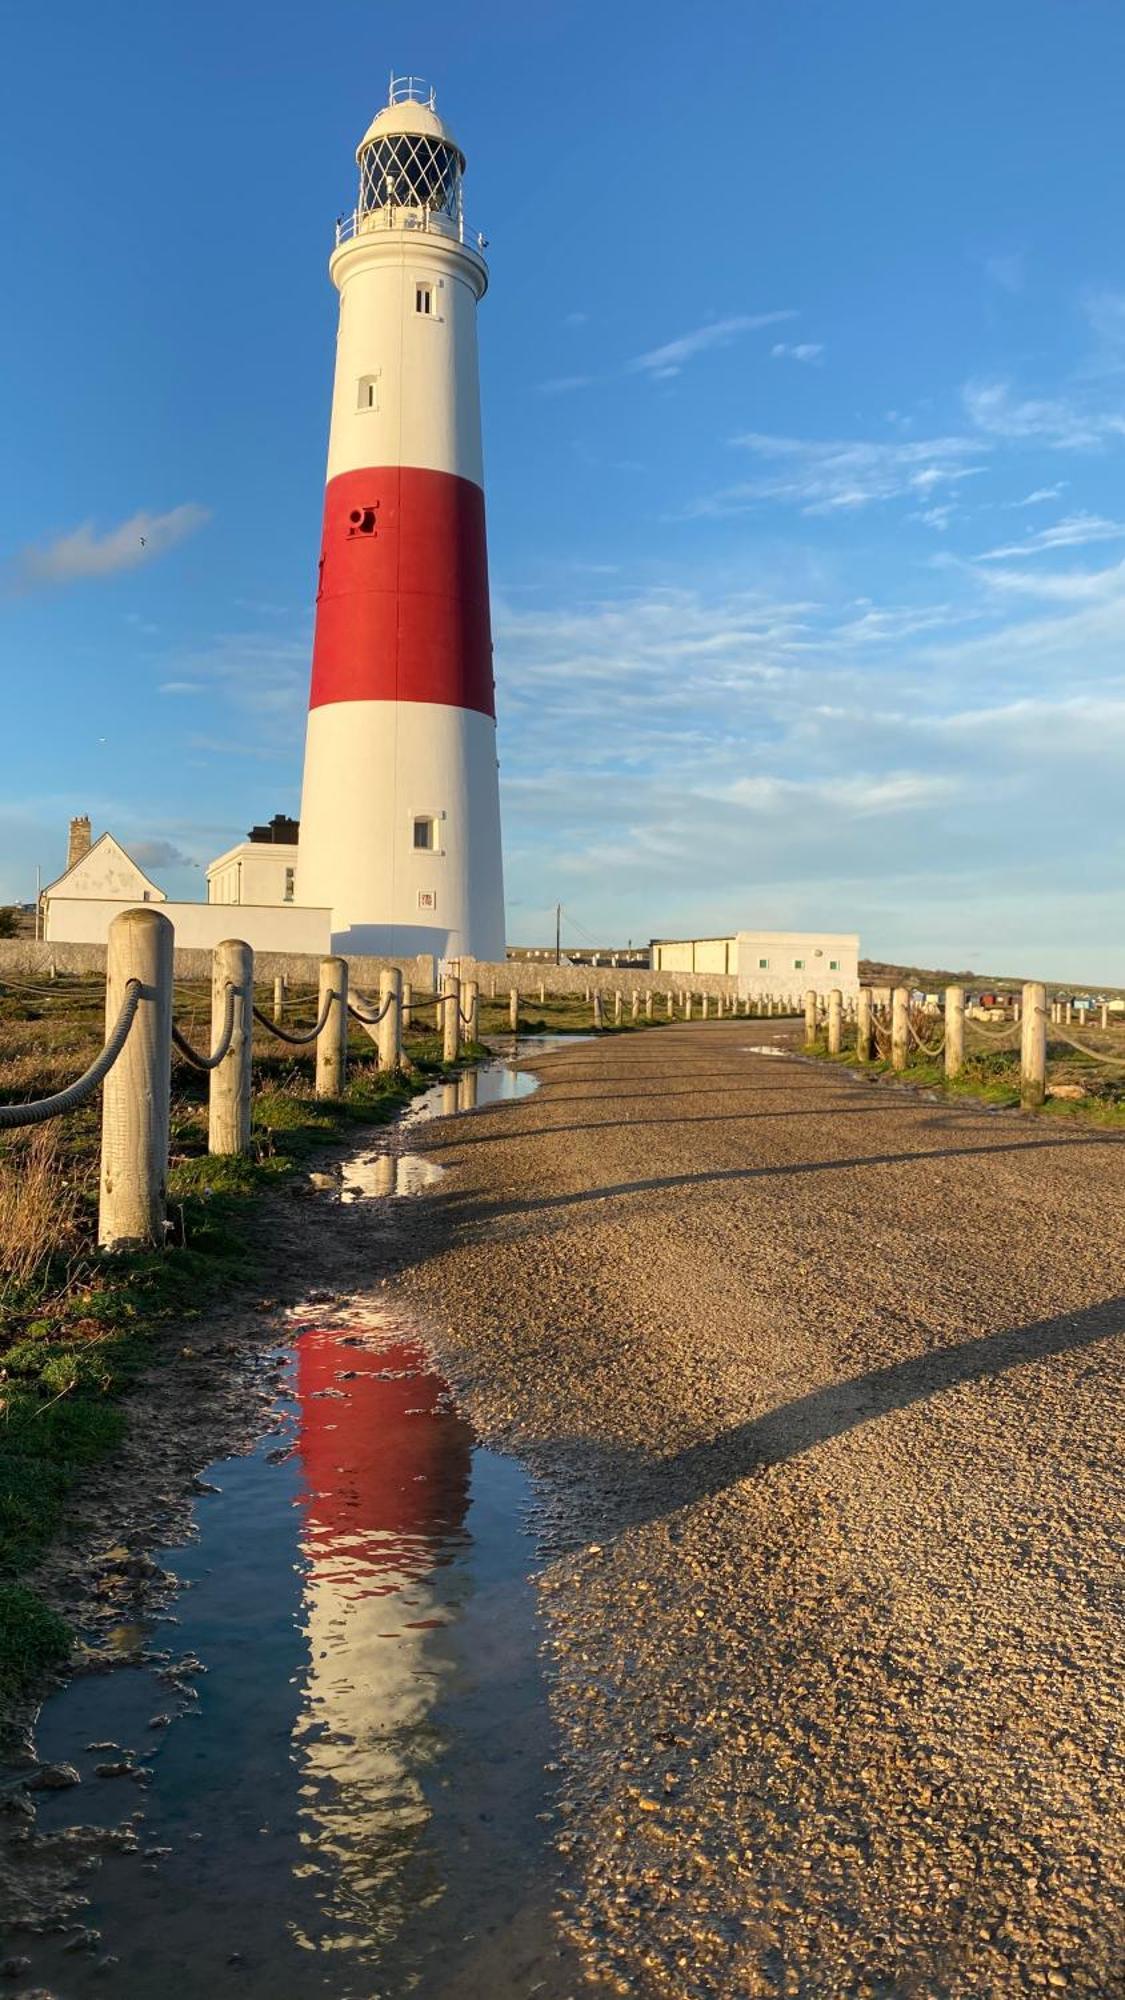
[
  {"x": 425, "y": 832},
  {"x": 798, "y": 965},
  {"x": 424, "y": 298},
  {"x": 763, "y": 965},
  {"x": 368, "y": 393},
  {"x": 290, "y": 883},
  {"x": 833, "y": 965}
]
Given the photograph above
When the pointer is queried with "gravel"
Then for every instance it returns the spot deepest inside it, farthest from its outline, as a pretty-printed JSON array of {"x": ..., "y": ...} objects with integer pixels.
[{"x": 828, "y": 1381}]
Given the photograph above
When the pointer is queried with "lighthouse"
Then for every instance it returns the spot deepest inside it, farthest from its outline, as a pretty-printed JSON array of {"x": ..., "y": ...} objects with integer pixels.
[{"x": 400, "y": 813}]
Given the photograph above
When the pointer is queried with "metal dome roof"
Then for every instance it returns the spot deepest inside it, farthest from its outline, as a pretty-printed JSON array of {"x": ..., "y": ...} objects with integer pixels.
[{"x": 408, "y": 114}]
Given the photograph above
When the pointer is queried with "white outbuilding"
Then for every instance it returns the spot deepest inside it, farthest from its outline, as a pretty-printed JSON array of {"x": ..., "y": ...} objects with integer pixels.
[{"x": 768, "y": 964}]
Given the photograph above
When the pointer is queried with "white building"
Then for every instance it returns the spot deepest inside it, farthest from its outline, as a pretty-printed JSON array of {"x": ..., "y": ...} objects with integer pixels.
[
  {"x": 260, "y": 869},
  {"x": 102, "y": 881},
  {"x": 774, "y": 964}
]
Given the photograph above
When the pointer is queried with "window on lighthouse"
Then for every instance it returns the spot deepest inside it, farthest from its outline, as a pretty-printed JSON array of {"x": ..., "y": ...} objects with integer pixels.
[
  {"x": 368, "y": 392},
  {"x": 424, "y": 298},
  {"x": 425, "y": 834}
]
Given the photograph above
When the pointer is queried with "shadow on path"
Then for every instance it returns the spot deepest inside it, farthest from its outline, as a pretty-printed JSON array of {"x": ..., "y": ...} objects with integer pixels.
[{"x": 793, "y": 1428}]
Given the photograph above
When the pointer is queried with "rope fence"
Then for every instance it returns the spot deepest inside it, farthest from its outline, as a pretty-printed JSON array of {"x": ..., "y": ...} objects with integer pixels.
[
  {"x": 13, "y": 1116},
  {"x": 180, "y": 1040}
]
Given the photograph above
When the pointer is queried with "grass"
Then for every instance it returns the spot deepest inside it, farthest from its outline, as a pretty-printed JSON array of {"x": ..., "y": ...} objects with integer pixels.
[
  {"x": 76, "y": 1325},
  {"x": 993, "y": 1077}
]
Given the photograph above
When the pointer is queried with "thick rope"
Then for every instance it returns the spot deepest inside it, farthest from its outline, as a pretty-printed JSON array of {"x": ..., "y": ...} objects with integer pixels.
[
  {"x": 37, "y": 1113},
  {"x": 925, "y": 1048},
  {"x": 371, "y": 1020},
  {"x": 1010, "y": 1038},
  {"x": 1055, "y": 1034},
  {"x": 225, "y": 1039},
  {"x": 993, "y": 1031},
  {"x": 284, "y": 1034}
]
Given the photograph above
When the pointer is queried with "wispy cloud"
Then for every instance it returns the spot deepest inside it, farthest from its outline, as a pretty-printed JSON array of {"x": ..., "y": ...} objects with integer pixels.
[
  {"x": 1040, "y": 495},
  {"x": 181, "y": 687},
  {"x": 809, "y": 351},
  {"x": 1056, "y": 421},
  {"x": 1076, "y": 532},
  {"x": 660, "y": 362},
  {"x": 84, "y": 553},
  {"x": 563, "y": 385},
  {"x": 825, "y": 476},
  {"x": 1007, "y": 270}
]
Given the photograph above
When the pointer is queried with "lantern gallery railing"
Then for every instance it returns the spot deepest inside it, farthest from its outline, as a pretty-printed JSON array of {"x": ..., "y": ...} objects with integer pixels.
[{"x": 432, "y": 222}]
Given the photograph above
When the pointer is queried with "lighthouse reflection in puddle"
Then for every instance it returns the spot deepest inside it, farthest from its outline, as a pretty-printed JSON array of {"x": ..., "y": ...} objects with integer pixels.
[{"x": 387, "y": 1463}]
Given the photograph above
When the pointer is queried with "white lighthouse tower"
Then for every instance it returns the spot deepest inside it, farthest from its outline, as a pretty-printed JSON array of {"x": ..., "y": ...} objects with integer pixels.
[{"x": 400, "y": 814}]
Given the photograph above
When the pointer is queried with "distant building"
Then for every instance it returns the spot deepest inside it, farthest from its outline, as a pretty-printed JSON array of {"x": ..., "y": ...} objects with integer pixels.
[
  {"x": 100, "y": 874},
  {"x": 261, "y": 869},
  {"x": 101, "y": 881},
  {"x": 781, "y": 964}
]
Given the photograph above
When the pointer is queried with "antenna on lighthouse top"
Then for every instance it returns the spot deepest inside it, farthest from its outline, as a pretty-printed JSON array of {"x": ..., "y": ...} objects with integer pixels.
[{"x": 412, "y": 90}]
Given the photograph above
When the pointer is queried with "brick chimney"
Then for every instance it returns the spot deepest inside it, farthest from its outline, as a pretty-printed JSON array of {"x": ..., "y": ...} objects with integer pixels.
[{"x": 78, "y": 842}]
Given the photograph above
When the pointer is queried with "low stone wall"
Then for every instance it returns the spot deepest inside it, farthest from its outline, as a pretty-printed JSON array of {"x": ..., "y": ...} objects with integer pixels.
[
  {"x": 527, "y": 977},
  {"x": 27, "y": 958}
]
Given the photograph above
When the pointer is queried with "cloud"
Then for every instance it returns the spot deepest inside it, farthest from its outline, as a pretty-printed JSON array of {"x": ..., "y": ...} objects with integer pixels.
[
  {"x": 563, "y": 385},
  {"x": 157, "y": 854},
  {"x": 83, "y": 553},
  {"x": 1057, "y": 422},
  {"x": 1040, "y": 495},
  {"x": 181, "y": 687},
  {"x": 809, "y": 351},
  {"x": 822, "y": 477},
  {"x": 1076, "y": 532},
  {"x": 661, "y": 362}
]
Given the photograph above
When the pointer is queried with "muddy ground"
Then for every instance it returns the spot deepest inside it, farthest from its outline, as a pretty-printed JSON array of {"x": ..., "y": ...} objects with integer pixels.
[{"x": 828, "y": 1382}]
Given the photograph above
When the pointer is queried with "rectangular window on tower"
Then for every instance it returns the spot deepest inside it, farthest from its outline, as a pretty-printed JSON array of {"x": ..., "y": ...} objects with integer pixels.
[
  {"x": 425, "y": 834},
  {"x": 290, "y": 883},
  {"x": 424, "y": 299},
  {"x": 368, "y": 398}
]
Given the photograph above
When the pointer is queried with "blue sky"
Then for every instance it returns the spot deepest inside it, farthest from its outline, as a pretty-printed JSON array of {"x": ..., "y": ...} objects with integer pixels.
[{"x": 804, "y": 396}]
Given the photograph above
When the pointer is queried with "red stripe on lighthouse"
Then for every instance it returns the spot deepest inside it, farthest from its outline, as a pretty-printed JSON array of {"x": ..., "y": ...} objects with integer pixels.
[{"x": 402, "y": 607}]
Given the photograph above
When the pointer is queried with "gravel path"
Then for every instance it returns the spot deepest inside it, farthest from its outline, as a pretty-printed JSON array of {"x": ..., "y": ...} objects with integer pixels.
[{"x": 831, "y": 1378}]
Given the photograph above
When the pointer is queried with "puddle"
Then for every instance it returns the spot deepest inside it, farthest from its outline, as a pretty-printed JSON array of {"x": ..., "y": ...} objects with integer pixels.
[
  {"x": 342, "y": 1719},
  {"x": 391, "y": 1168},
  {"x": 763, "y": 1049}
]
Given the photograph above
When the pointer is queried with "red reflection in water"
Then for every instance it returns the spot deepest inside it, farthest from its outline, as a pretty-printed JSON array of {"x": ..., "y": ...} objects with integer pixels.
[{"x": 387, "y": 1459}]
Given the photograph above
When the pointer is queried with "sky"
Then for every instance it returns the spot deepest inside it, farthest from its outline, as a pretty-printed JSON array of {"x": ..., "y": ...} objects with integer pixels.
[{"x": 803, "y": 378}]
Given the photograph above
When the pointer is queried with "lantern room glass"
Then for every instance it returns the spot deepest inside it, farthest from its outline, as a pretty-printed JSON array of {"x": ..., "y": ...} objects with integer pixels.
[{"x": 410, "y": 170}]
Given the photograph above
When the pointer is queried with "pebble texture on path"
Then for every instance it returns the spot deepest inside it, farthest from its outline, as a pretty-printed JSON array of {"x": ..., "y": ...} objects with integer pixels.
[{"x": 833, "y": 1375}]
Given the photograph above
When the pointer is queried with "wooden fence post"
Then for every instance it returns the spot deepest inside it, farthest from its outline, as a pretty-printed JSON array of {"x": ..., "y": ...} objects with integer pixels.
[
  {"x": 648, "y": 1005},
  {"x": 835, "y": 1024},
  {"x": 451, "y": 1018},
  {"x": 514, "y": 1009},
  {"x": 406, "y": 1004},
  {"x": 279, "y": 988},
  {"x": 597, "y": 1008},
  {"x": 137, "y": 1092},
  {"x": 389, "y": 1038},
  {"x": 636, "y": 1007},
  {"x": 617, "y": 1010},
  {"x": 900, "y": 1027},
  {"x": 1105, "y": 1015},
  {"x": 228, "y": 1105},
  {"x": 863, "y": 1026},
  {"x": 704, "y": 1006},
  {"x": 471, "y": 994},
  {"x": 1033, "y": 1045},
  {"x": 542, "y": 994},
  {"x": 332, "y": 1041},
  {"x": 954, "y": 1030},
  {"x": 810, "y": 1017}
]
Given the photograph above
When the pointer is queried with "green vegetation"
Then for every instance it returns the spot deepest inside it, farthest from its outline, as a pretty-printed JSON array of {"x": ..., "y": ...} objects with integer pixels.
[
  {"x": 76, "y": 1325},
  {"x": 993, "y": 1077}
]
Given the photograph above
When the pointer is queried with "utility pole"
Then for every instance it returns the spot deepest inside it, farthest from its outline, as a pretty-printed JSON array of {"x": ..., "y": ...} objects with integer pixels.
[{"x": 558, "y": 933}]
